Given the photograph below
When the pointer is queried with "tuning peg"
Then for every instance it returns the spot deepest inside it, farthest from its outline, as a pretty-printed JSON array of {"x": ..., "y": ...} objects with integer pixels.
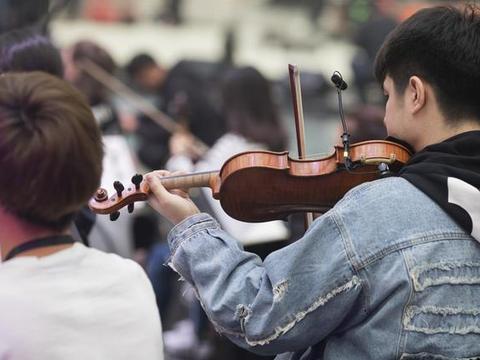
[
  {"x": 118, "y": 187},
  {"x": 114, "y": 216},
  {"x": 137, "y": 179},
  {"x": 130, "y": 208},
  {"x": 101, "y": 195}
]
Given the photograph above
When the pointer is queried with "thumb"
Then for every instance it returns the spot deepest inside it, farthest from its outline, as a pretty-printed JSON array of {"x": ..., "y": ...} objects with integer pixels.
[{"x": 156, "y": 186}]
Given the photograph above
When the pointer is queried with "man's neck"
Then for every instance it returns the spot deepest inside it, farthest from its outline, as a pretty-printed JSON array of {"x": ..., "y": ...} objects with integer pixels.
[
  {"x": 438, "y": 134},
  {"x": 14, "y": 232}
]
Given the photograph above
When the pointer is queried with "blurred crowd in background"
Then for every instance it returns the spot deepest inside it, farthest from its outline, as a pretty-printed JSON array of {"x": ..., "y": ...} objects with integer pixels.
[{"x": 215, "y": 105}]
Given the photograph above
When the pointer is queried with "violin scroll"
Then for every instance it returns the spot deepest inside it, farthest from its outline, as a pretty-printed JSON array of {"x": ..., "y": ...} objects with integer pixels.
[{"x": 101, "y": 203}]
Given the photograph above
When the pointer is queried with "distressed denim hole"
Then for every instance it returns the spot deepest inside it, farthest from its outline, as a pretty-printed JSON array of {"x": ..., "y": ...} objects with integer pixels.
[
  {"x": 321, "y": 301},
  {"x": 452, "y": 273},
  {"x": 438, "y": 320},
  {"x": 428, "y": 356},
  {"x": 279, "y": 290}
]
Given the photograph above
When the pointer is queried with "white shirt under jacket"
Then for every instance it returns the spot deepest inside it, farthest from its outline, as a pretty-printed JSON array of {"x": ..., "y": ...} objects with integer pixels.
[{"x": 79, "y": 303}]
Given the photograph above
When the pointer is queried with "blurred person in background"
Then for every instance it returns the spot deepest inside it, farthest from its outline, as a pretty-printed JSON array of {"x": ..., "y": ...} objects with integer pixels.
[
  {"x": 60, "y": 299},
  {"x": 115, "y": 237},
  {"x": 146, "y": 74},
  {"x": 369, "y": 38},
  {"x": 183, "y": 95},
  {"x": 253, "y": 123},
  {"x": 28, "y": 50},
  {"x": 97, "y": 95}
]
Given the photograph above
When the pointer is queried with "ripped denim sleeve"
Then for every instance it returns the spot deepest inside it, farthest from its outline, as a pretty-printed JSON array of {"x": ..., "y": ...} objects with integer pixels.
[{"x": 294, "y": 299}]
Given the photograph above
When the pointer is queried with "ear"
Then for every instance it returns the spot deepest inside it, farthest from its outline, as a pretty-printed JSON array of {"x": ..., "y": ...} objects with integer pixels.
[{"x": 416, "y": 94}]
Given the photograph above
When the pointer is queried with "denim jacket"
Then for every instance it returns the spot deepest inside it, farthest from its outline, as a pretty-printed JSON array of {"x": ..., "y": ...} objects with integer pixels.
[{"x": 385, "y": 274}]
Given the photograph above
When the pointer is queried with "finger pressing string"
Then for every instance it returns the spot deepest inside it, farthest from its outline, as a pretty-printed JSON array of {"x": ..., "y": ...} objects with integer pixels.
[{"x": 155, "y": 184}]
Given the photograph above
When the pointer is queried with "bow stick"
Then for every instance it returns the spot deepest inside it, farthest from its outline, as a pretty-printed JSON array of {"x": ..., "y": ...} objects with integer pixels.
[{"x": 296, "y": 90}]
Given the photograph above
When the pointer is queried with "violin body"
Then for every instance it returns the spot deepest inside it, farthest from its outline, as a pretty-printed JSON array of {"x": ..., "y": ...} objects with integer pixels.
[{"x": 262, "y": 186}]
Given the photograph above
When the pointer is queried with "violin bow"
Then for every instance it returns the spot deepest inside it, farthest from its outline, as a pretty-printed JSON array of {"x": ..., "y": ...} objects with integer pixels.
[
  {"x": 138, "y": 102},
  {"x": 296, "y": 90}
]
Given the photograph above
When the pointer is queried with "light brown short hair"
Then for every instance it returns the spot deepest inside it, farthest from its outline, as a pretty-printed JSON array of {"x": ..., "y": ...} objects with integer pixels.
[{"x": 50, "y": 149}]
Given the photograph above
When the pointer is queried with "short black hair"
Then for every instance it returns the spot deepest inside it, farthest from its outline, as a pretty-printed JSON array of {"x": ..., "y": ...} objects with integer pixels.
[
  {"x": 442, "y": 46},
  {"x": 138, "y": 63},
  {"x": 27, "y": 50}
]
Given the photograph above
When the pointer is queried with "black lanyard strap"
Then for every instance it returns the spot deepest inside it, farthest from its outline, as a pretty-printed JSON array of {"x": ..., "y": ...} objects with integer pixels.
[{"x": 38, "y": 243}]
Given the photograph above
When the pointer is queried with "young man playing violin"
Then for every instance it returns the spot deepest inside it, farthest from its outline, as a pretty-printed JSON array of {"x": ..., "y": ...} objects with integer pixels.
[
  {"x": 59, "y": 299},
  {"x": 392, "y": 271}
]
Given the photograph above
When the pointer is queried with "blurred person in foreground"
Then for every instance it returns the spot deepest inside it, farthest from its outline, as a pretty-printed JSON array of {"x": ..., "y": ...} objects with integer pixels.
[
  {"x": 60, "y": 299},
  {"x": 25, "y": 50},
  {"x": 391, "y": 271}
]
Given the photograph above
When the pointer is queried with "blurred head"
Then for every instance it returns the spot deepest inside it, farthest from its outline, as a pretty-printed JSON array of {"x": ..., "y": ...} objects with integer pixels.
[
  {"x": 249, "y": 108},
  {"x": 91, "y": 88},
  {"x": 145, "y": 73},
  {"x": 50, "y": 149},
  {"x": 27, "y": 50},
  {"x": 435, "y": 51}
]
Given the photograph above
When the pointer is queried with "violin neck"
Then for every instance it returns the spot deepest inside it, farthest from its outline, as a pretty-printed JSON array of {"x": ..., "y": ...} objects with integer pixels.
[{"x": 187, "y": 181}]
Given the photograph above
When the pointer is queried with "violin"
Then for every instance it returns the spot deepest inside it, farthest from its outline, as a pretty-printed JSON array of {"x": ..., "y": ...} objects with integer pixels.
[{"x": 259, "y": 186}]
